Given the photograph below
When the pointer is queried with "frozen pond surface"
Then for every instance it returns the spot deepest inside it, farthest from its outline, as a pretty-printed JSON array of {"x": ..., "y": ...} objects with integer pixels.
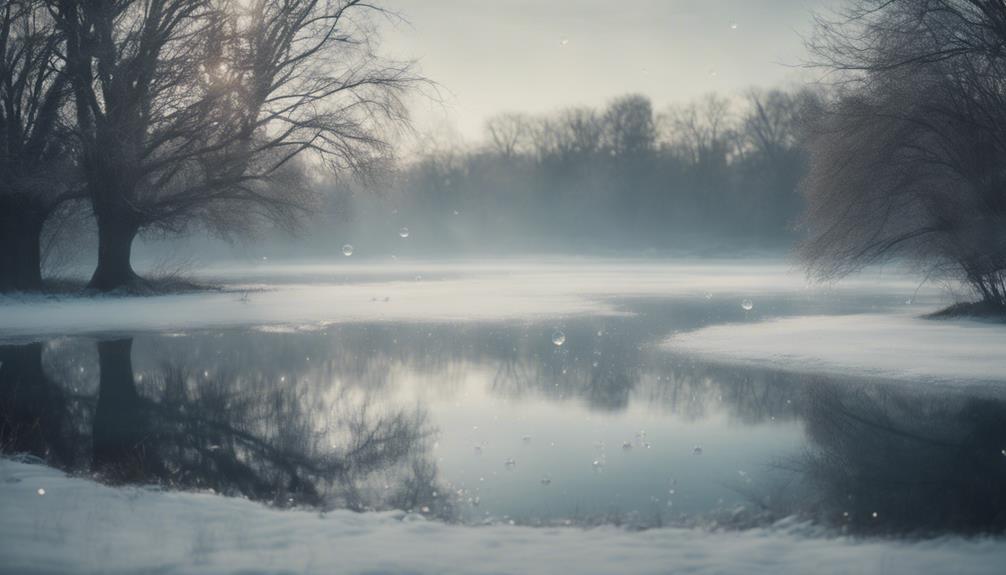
[{"x": 578, "y": 415}]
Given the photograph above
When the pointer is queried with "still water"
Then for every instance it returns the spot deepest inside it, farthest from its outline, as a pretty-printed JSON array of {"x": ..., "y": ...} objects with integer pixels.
[{"x": 507, "y": 422}]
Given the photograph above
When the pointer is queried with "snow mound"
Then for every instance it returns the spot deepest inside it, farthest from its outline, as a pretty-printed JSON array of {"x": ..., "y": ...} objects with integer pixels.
[
  {"x": 894, "y": 346},
  {"x": 56, "y": 524}
]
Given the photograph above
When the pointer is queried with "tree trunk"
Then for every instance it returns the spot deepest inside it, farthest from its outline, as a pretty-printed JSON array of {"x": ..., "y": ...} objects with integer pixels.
[
  {"x": 20, "y": 248},
  {"x": 115, "y": 242}
]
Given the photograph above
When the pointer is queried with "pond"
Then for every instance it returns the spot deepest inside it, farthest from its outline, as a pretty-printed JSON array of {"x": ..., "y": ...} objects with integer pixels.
[{"x": 581, "y": 421}]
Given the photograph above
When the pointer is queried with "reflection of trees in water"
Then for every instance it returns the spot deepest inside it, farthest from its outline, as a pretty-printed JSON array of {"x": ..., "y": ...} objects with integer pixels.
[
  {"x": 890, "y": 459},
  {"x": 235, "y": 430},
  {"x": 37, "y": 415},
  {"x": 604, "y": 364}
]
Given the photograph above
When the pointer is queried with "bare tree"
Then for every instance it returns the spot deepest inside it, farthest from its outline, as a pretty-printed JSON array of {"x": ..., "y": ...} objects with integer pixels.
[
  {"x": 208, "y": 112},
  {"x": 701, "y": 132},
  {"x": 629, "y": 126},
  {"x": 508, "y": 133},
  {"x": 908, "y": 161},
  {"x": 36, "y": 172}
]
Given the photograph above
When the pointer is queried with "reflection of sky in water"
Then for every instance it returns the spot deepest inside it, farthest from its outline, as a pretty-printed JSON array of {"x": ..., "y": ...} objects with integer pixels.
[
  {"x": 565, "y": 441},
  {"x": 426, "y": 417}
]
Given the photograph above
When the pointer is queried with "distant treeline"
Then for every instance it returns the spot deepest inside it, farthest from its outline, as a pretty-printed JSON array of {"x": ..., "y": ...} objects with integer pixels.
[{"x": 712, "y": 174}]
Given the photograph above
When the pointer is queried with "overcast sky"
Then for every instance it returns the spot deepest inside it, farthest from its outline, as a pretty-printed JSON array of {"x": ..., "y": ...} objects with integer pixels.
[{"x": 539, "y": 55}]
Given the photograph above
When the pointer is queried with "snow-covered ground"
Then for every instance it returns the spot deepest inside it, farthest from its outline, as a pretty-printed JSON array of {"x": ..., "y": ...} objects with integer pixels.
[
  {"x": 894, "y": 345},
  {"x": 313, "y": 295},
  {"x": 55, "y": 524}
]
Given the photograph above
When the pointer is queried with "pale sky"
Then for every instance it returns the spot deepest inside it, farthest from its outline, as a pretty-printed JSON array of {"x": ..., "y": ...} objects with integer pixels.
[{"x": 539, "y": 55}]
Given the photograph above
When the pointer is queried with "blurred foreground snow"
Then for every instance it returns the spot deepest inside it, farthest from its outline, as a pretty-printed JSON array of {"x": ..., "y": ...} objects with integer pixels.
[{"x": 56, "y": 524}]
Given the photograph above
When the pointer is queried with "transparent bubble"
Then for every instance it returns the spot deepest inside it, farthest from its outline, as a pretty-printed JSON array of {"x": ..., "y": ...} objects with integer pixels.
[
  {"x": 747, "y": 305},
  {"x": 347, "y": 250},
  {"x": 558, "y": 338},
  {"x": 403, "y": 233}
]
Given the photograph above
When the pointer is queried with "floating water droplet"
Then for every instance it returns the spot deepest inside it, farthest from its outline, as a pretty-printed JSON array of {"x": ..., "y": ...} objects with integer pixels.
[
  {"x": 671, "y": 492},
  {"x": 40, "y": 492},
  {"x": 419, "y": 277},
  {"x": 403, "y": 233},
  {"x": 347, "y": 250},
  {"x": 456, "y": 213},
  {"x": 697, "y": 450},
  {"x": 558, "y": 338},
  {"x": 424, "y": 509},
  {"x": 627, "y": 445},
  {"x": 564, "y": 42},
  {"x": 733, "y": 26},
  {"x": 874, "y": 514},
  {"x": 747, "y": 305},
  {"x": 597, "y": 464},
  {"x": 510, "y": 463},
  {"x": 708, "y": 295},
  {"x": 546, "y": 481}
]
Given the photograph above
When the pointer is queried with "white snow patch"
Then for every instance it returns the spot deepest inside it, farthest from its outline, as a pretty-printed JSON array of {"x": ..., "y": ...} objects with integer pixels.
[
  {"x": 79, "y": 526},
  {"x": 896, "y": 346},
  {"x": 312, "y": 296}
]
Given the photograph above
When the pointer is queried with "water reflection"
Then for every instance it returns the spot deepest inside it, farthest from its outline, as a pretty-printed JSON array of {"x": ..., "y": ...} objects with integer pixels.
[
  {"x": 235, "y": 432},
  {"x": 476, "y": 423},
  {"x": 883, "y": 460}
]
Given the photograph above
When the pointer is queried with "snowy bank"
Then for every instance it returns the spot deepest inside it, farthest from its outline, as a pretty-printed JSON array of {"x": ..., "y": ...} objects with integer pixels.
[
  {"x": 55, "y": 524},
  {"x": 311, "y": 296},
  {"x": 895, "y": 346}
]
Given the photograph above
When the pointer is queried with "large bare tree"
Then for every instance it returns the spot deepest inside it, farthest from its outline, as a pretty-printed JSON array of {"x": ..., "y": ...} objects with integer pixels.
[
  {"x": 207, "y": 112},
  {"x": 35, "y": 156},
  {"x": 909, "y": 161}
]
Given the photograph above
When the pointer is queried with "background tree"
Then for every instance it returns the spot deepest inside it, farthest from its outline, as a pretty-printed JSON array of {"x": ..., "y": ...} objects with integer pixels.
[
  {"x": 204, "y": 112},
  {"x": 908, "y": 160},
  {"x": 36, "y": 172}
]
